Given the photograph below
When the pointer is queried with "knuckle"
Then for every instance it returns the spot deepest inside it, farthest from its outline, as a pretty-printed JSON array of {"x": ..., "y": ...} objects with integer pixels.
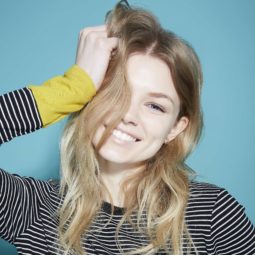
[
  {"x": 84, "y": 32},
  {"x": 100, "y": 42},
  {"x": 92, "y": 35}
]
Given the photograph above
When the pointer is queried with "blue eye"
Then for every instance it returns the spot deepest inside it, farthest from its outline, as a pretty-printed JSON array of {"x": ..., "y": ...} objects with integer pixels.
[{"x": 156, "y": 107}]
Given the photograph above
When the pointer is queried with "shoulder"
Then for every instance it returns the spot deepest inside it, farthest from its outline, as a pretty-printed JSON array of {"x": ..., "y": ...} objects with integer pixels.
[
  {"x": 201, "y": 191},
  {"x": 209, "y": 192},
  {"x": 203, "y": 187},
  {"x": 210, "y": 200},
  {"x": 201, "y": 201},
  {"x": 213, "y": 211}
]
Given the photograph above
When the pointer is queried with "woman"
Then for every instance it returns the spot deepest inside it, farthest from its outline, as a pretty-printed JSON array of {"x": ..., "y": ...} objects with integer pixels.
[{"x": 125, "y": 187}]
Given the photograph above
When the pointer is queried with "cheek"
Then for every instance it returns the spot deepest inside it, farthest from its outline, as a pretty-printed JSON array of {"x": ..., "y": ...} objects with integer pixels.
[
  {"x": 158, "y": 130},
  {"x": 151, "y": 150},
  {"x": 157, "y": 134},
  {"x": 98, "y": 135}
]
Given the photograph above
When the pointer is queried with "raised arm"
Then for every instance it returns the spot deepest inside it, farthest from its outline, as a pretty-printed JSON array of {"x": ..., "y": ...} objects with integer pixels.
[{"x": 28, "y": 109}]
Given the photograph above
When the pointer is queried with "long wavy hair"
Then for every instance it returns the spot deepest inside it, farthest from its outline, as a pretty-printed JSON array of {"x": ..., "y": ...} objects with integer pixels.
[{"x": 162, "y": 188}]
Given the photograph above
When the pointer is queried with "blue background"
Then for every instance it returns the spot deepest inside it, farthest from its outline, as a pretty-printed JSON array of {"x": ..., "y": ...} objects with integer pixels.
[{"x": 38, "y": 40}]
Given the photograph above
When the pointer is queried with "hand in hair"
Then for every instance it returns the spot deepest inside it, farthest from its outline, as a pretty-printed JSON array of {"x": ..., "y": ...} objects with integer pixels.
[{"x": 94, "y": 52}]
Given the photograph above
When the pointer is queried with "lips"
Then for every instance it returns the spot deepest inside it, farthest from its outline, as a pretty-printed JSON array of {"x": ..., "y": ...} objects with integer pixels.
[{"x": 124, "y": 135}]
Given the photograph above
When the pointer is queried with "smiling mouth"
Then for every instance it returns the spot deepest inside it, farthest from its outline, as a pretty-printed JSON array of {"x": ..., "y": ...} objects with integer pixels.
[{"x": 124, "y": 136}]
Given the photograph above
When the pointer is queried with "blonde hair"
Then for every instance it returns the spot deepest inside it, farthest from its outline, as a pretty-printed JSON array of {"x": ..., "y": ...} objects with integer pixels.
[{"x": 162, "y": 188}]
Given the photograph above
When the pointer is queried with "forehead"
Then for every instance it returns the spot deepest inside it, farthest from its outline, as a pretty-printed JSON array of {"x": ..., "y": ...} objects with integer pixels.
[{"x": 149, "y": 74}]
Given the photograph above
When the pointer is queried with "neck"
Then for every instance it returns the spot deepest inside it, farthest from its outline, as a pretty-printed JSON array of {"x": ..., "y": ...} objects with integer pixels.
[{"x": 113, "y": 176}]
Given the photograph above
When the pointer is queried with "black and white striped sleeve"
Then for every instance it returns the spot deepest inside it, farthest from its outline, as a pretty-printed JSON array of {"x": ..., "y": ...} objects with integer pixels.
[
  {"x": 20, "y": 202},
  {"x": 231, "y": 231},
  {"x": 18, "y": 114}
]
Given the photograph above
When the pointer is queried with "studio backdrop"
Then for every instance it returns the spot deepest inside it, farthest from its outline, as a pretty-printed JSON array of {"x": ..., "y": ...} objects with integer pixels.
[{"x": 38, "y": 41}]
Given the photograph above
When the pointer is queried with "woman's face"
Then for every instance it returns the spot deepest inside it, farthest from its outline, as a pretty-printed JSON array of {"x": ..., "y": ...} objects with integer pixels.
[{"x": 151, "y": 118}]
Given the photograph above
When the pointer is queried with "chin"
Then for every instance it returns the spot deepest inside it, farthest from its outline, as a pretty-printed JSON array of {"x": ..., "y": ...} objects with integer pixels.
[{"x": 114, "y": 157}]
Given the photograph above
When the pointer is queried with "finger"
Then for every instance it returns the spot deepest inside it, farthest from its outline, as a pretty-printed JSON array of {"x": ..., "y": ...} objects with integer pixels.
[
  {"x": 88, "y": 30},
  {"x": 113, "y": 42},
  {"x": 93, "y": 35},
  {"x": 99, "y": 28},
  {"x": 98, "y": 34}
]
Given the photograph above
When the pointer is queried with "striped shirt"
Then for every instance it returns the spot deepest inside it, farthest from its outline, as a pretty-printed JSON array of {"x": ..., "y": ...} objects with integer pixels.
[{"x": 216, "y": 221}]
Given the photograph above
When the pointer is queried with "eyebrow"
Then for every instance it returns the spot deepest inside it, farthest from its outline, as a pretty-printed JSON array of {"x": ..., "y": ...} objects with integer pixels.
[{"x": 161, "y": 95}]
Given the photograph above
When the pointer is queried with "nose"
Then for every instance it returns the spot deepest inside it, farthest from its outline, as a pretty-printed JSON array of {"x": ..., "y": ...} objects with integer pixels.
[{"x": 131, "y": 117}]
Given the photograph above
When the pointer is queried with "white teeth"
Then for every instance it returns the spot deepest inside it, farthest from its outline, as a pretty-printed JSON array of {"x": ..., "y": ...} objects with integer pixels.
[{"x": 123, "y": 136}]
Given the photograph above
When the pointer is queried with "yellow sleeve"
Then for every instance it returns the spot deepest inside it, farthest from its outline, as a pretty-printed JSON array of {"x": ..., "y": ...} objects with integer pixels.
[{"x": 62, "y": 95}]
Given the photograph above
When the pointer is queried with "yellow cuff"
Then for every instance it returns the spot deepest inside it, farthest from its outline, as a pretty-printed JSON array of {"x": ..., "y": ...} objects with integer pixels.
[{"x": 62, "y": 95}]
